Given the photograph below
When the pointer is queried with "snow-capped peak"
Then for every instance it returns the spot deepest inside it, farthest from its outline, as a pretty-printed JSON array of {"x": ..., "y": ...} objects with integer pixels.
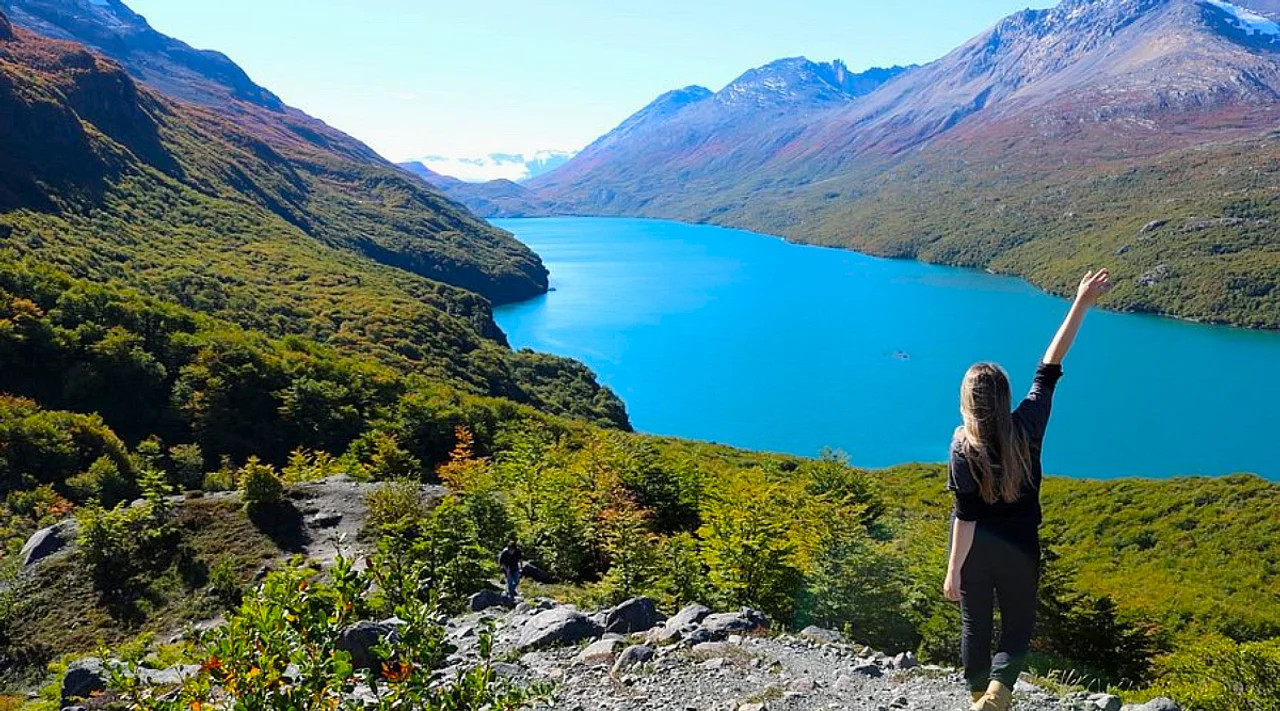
[{"x": 1247, "y": 20}]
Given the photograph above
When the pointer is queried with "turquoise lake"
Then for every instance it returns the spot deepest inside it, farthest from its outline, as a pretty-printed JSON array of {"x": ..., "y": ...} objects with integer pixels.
[{"x": 744, "y": 339}]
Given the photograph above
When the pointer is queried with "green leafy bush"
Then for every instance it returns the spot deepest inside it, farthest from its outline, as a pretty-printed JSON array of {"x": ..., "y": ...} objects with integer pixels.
[
  {"x": 858, "y": 586},
  {"x": 1217, "y": 674},
  {"x": 438, "y": 553},
  {"x": 102, "y": 482},
  {"x": 186, "y": 466},
  {"x": 393, "y": 502},
  {"x": 224, "y": 584},
  {"x": 51, "y": 446},
  {"x": 260, "y": 486},
  {"x": 122, "y": 544},
  {"x": 292, "y": 623}
]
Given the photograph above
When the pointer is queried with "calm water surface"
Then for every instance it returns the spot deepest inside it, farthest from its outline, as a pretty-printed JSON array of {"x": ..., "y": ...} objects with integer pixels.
[{"x": 740, "y": 338}]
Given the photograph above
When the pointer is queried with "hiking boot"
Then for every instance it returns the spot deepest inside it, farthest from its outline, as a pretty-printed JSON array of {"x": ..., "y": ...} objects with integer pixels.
[{"x": 996, "y": 698}]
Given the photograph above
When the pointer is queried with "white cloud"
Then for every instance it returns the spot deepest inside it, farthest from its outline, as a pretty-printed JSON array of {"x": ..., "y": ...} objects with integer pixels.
[{"x": 511, "y": 166}]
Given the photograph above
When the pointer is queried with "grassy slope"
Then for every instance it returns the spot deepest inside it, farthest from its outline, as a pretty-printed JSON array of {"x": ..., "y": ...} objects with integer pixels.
[
  {"x": 113, "y": 183},
  {"x": 62, "y": 613},
  {"x": 1195, "y": 554}
]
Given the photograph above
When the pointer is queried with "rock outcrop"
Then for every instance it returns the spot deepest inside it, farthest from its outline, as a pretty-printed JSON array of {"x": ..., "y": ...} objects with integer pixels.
[
  {"x": 557, "y": 626},
  {"x": 47, "y": 542}
]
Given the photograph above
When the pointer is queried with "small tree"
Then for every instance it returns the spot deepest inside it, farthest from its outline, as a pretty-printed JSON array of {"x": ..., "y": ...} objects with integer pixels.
[
  {"x": 260, "y": 486},
  {"x": 632, "y": 551},
  {"x": 746, "y": 544},
  {"x": 682, "y": 577},
  {"x": 186, "y": 466}
]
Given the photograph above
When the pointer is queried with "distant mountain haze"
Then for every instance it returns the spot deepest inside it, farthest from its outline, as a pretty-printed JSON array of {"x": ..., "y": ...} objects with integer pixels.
[
  {"x": 492, "y": 198},
  {"x": 495, "y": 166}
]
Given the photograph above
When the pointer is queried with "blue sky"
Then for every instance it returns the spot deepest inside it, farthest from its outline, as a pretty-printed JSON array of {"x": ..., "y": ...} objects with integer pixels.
[{"x": 469, "y": 77}]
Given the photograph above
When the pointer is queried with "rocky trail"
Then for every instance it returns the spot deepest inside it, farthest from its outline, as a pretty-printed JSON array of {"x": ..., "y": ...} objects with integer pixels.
[{"x": 630, "y": 657}]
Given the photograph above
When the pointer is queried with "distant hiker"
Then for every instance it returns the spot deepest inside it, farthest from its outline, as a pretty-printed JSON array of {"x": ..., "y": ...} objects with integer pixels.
[
  {"x": 509, "y": 560},
  {"x": 995, "y": 475}
]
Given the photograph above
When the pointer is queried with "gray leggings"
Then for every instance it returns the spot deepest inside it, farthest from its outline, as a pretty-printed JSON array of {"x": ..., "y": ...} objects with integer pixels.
[{"x": 996, "y": 572}]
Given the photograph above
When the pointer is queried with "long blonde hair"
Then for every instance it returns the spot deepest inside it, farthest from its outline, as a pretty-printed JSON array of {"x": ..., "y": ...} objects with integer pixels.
[{"x": 994, "y": 446}]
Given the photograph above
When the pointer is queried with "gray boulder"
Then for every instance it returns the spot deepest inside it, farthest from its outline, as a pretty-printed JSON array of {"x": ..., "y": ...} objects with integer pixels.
[
  {"x": 688, "y": 616},
  {"x": 662, "y": 634},
  {"x": 698, "y": 635},
  {"x": 632, "y": 657},
  {"x": 507, "y": 670},
  {"x": 639, "y": 614},
  {"x": 359, "y": 639},
  {"x": 1105, "y": 702},
  {"x": 820, "y": 635},
  {"x": 868, "y": 669},
  {"x": 536, "y": 574},
  {"x": 746, "y": 620},
  {"x": 598, "y": 652},
  {"x": 486, "y": 599},
  {"x": 1160, "y": 703},
  {"x": 171, "y": 676},
  {"x": 557, "y": 626},
  {"x": 83, "y": 677},
  {"x": 905, "y": 660},
  {"x": 48, "y": 541}
]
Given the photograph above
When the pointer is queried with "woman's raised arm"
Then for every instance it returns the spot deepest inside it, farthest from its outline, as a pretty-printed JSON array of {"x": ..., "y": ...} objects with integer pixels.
[{"x": 1092, "y": 287}]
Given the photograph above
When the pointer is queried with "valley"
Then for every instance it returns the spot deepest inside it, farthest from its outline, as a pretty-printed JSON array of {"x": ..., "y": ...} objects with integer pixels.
[{"x": 268, "y": 406}]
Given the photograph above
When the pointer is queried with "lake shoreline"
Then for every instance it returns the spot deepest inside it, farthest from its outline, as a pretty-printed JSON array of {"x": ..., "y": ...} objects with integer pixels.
[
  {"x": 797, "y": 242},
  {"x": 708, "y": 331}
]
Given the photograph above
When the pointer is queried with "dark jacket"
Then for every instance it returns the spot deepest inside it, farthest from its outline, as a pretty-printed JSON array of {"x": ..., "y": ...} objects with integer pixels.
[
  {"x": 1021, "y": 518},
  {"x": 509, "y": 559}
]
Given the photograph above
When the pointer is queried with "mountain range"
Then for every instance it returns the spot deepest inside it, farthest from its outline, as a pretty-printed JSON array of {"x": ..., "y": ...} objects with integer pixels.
[
  {"x": 1137, "y": 133},
  {"x": 133, "y": 159}
]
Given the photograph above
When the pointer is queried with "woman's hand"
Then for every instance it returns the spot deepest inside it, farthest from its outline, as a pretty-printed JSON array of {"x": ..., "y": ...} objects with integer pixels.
[
  {"x": 1093, "y": 286},
  {"x": 951, "y": 586}
]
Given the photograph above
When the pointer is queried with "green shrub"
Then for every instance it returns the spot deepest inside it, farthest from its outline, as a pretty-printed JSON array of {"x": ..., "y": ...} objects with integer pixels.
[
  {"x": 438, "y": 554},
  {"x": 102, "y": 482},
  {"x": 50, "y": 446},
  {"x": 279, "y": 651},
  {"x": 186, "y": 466},
  {"x": 260, "y": 486},
  {"x": 383, "y": 458},
  {"x": 747, "y": 544},
  {"x": 393, "y": 502},
  {"x": 224, "y": 584},
  {"x": 123, "y": 544},
  {"x": 305, "y": 465},
  {"x": 632, "y": 552},
  {"x": 861, "y": 588},
  {"x": 682, "y": 578},
  {"x": 1218, "y": 674}
]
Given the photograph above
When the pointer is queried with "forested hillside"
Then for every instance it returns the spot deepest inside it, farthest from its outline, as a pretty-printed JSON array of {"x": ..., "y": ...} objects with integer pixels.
[{"x": 248, "y": 221}]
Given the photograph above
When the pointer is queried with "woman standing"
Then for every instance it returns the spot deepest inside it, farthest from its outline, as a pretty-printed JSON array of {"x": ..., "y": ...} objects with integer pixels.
[{"x": 995, "y": 476}]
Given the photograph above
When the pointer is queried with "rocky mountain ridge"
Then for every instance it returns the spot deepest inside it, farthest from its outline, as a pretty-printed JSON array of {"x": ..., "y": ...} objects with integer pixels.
[{"x": 1042, "y": 144}]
